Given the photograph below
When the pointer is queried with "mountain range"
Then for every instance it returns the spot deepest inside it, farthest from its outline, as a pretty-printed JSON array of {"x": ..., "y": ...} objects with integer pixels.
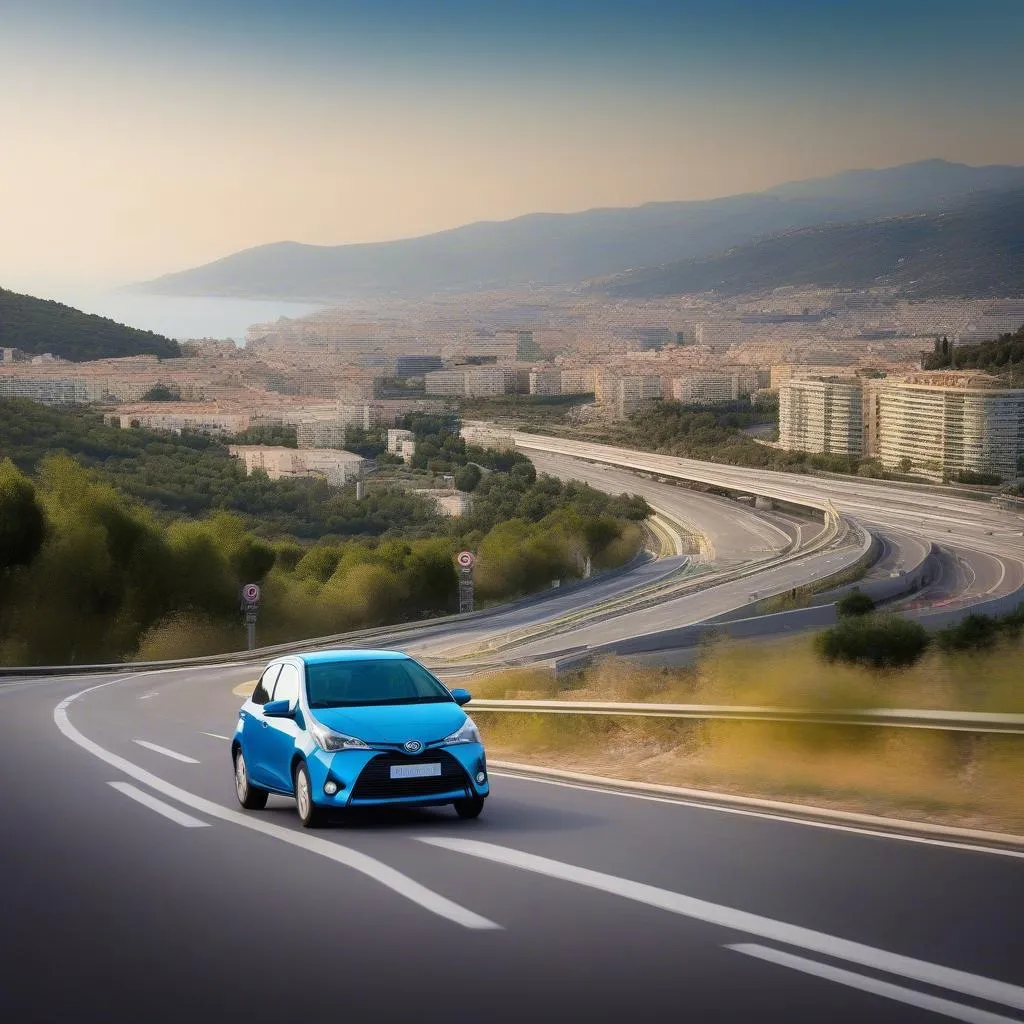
[
  {"x": 974, "y": 248},
  {"x": 548, "y": 249}
]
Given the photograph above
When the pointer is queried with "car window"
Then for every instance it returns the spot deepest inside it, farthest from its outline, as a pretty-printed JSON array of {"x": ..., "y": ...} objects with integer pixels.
[
  {"x": 265, "y": 687},
  {"x": 351, "y": 683},
  {"x": 287, "y": 687}
]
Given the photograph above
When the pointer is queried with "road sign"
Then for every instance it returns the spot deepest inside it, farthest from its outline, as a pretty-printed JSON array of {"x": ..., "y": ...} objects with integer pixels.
[
  {"x": 251, "y": 593},
  {"x": 465, "y": 595},
  {"x": 466, "y": 559}
]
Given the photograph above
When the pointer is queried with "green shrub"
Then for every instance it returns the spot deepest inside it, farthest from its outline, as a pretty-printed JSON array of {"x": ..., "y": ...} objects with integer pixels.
[
  {"x": 974, "y": 633},
  {"x": 855, "y": 603},
  {"x": 877, "y": 641}
]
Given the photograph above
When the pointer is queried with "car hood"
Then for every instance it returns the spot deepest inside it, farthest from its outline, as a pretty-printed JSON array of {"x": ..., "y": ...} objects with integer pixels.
[{"x": 396, "y": 723}]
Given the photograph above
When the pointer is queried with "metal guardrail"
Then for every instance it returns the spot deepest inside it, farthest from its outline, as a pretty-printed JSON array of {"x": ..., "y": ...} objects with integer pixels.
[{"x": 898, "y": 718}]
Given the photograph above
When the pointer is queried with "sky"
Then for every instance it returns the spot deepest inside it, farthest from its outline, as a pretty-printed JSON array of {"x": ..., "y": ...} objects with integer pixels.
[{"x": 139, "y": 137}]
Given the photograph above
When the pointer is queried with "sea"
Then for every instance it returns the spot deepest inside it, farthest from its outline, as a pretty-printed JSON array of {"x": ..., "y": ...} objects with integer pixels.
[{"x": 184, "y": 318}]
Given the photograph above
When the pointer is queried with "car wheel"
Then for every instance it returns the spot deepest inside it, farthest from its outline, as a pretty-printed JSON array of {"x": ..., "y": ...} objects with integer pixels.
[
  {"x": 470, "y": 807},
  {"x": 309, "y": 814},
  {"x": 251, "y": 797}
]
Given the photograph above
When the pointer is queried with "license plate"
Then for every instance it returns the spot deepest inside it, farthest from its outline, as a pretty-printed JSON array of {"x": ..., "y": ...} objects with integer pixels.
[{"x": 414, "y": 771}]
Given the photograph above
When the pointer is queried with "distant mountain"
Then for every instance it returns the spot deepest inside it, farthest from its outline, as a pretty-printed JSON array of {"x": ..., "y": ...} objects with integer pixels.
[
  {"x": 975, "y": 248},
  {"x": 40, "y": 325},
  {"x": 565, "y": 249}
]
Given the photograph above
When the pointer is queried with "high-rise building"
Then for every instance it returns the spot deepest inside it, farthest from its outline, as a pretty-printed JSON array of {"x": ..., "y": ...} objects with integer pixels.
[
  {"x": 946, "y": 423},
  {"x": 821, "y": 415},
  {"x": 706, "y": 388}
]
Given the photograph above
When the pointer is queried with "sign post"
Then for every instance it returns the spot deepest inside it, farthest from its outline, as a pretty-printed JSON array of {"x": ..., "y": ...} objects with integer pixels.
[
  {"x": 465, "y": 561},
  {"x": 251, "y": 607}
]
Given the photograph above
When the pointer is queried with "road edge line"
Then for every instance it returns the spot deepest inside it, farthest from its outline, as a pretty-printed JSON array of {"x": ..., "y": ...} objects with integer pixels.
[{"x": 898, "y": 828}]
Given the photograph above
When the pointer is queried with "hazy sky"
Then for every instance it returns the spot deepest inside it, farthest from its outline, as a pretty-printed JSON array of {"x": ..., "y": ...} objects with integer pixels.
[{"x": 144, "y": 136}]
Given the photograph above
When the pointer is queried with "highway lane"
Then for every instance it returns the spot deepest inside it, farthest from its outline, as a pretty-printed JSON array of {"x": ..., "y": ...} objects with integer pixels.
[
  {"x": 737, "y": 533},
  {"x": 605, "y": 906},
  {"x": 973, "y": 526}
]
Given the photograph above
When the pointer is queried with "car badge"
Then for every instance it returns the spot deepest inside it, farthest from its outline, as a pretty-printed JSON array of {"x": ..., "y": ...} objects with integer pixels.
[{"x": 412, "y": 746}]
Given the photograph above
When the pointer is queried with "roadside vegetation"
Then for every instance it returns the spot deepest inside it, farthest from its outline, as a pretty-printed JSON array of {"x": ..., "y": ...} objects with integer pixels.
[
  {"x": 89, "y": 572},
  {"x": 956, "y": 778}
]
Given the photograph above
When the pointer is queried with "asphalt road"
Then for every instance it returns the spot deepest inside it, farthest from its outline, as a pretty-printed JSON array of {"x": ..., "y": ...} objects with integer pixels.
[
  {"x": 136, "y": 890},
  {"x": 989, "y": 539}
]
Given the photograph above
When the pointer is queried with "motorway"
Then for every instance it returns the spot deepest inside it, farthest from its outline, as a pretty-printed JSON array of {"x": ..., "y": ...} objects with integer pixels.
[
  {"x": 137, "y": 890},
  {"x": 987, "y": 541}
]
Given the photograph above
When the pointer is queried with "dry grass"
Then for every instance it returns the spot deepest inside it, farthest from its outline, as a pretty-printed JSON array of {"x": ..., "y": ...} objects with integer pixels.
[{"x": 955, "y": 778}]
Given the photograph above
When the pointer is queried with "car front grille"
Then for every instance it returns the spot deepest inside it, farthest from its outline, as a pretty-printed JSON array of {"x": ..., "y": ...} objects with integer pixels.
[{"x": 375, "y": 782}]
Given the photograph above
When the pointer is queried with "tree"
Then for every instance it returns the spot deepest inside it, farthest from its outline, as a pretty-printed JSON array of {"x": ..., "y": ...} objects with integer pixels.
[
  {"x": 468, "y": 477},
  {"x": 855, "y": 603},
  {"x": 876, "y": 641},
  {"x": 22, "y": 522},
  {"x": 905, "y": 464}
]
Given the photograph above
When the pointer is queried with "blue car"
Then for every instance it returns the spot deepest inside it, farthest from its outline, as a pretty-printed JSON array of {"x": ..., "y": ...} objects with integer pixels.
[{"x": 357, "y": 728}]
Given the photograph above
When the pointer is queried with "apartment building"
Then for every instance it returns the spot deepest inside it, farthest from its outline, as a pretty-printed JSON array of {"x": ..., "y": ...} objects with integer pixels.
[
  {"x": 948, "y": 423},
  {"x": 321, "y": 433},
  {"x": 706, "y": 388},
  {"x": 336, "y": 467},
  {"x": 622, "y": 396},
  {"x": 822, "y": 415},
  {"x": 46, "y": 390},
  {"x": 484, "y": 435},
  {"x": 178, "y": 419},
  {"x": 578, "y": 380},
  {"x": 450, "y": 383},
  {"x": 545, "y": 382}
]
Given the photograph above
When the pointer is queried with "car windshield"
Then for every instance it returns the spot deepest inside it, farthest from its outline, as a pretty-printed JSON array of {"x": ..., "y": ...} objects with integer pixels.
[{"x": 333, "y": 684}]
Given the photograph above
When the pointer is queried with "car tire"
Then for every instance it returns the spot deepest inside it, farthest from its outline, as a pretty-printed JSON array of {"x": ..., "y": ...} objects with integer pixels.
[
  {"x": 251, "y": 797},
  {"x": 310, "y": 815},
  {"x": 470, "y": 807}
]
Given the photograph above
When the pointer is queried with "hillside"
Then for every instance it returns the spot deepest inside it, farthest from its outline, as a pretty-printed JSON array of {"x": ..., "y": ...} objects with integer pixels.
[
  {"x": 1003, "y": 357},
  {"x": 973, "y": 248},
  {"x": 40, "y": 325},
  {"x": 560, "y": 249}
]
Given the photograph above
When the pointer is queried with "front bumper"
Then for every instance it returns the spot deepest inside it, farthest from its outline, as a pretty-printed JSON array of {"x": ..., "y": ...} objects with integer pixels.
[{"x": 363, "y": 776}]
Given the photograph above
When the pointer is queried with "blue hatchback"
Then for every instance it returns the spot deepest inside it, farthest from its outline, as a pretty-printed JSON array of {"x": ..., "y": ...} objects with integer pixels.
[{"x": 357, "y": 728}]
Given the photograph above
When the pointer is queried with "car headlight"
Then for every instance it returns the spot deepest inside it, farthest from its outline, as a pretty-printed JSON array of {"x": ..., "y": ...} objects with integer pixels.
[
  {"x": 468, "y": 733},
  {"x": 328, "y": 739}
]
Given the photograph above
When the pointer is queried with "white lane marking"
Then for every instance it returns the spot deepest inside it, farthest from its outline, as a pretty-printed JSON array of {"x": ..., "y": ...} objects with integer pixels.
[
  {"x": 167, "y": 753},
  {"x": 146, "y": 696},
  {"x": 216, "y": 735},
  {"x": 743, "y": 921},
  {"x": 361, "y": 862},
  {"x": 766, "y": 813},
  {"x": 875, "y": 986},
  {"x": 180, "y": 817}
]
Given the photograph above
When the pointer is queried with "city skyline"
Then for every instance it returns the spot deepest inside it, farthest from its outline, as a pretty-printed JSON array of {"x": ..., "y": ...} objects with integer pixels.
[{"x": 143, "y": 139}]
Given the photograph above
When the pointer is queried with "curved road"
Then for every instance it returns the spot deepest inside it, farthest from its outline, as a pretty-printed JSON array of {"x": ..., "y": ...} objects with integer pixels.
[{"x": 136, "y": 890}]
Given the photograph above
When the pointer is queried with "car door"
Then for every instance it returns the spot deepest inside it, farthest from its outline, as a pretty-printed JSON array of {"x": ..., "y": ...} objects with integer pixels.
[
  {"x": 279, "y": 734},
  {"x": 255, "y": 727}
]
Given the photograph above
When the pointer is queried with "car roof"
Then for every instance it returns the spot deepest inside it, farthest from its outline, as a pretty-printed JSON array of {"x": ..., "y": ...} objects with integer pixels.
[{"x": 356, "y": 654}]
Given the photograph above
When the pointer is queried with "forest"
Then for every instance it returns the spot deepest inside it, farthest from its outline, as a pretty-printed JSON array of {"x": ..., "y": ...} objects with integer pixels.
[{"x": 124, "y": 544}]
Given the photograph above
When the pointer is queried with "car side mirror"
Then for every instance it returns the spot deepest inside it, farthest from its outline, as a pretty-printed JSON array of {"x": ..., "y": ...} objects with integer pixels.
[
  {"x": 461, "y": 696},
  {"x": 278, "y": 709}
]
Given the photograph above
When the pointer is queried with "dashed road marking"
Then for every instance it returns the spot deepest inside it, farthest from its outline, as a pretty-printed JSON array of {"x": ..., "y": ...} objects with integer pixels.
[{"x": 184, "y": 758}]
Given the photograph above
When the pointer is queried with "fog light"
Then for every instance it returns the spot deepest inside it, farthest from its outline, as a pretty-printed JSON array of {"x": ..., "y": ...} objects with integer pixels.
[
  {"x": 481, "y": 777},
  {"x": 330, "y": 787}
]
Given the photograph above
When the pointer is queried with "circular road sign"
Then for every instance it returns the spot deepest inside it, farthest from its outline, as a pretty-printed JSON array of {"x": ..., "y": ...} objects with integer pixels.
[
  {"x": 251, "y": 593},
  {"x": 466, "y": 559}
]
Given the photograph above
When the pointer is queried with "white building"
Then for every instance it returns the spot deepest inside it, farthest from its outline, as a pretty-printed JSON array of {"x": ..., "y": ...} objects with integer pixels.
[
  {"x": 822, "y": 416},
  {"x": 545, "y": 382},
  {"x": 704, "y": 388},
  {"x": 946, "y": 423},
  {"x": 445, "y": 382},
  {"x": 281, "y": 463},
  {"x": 317, "y": 433}
]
